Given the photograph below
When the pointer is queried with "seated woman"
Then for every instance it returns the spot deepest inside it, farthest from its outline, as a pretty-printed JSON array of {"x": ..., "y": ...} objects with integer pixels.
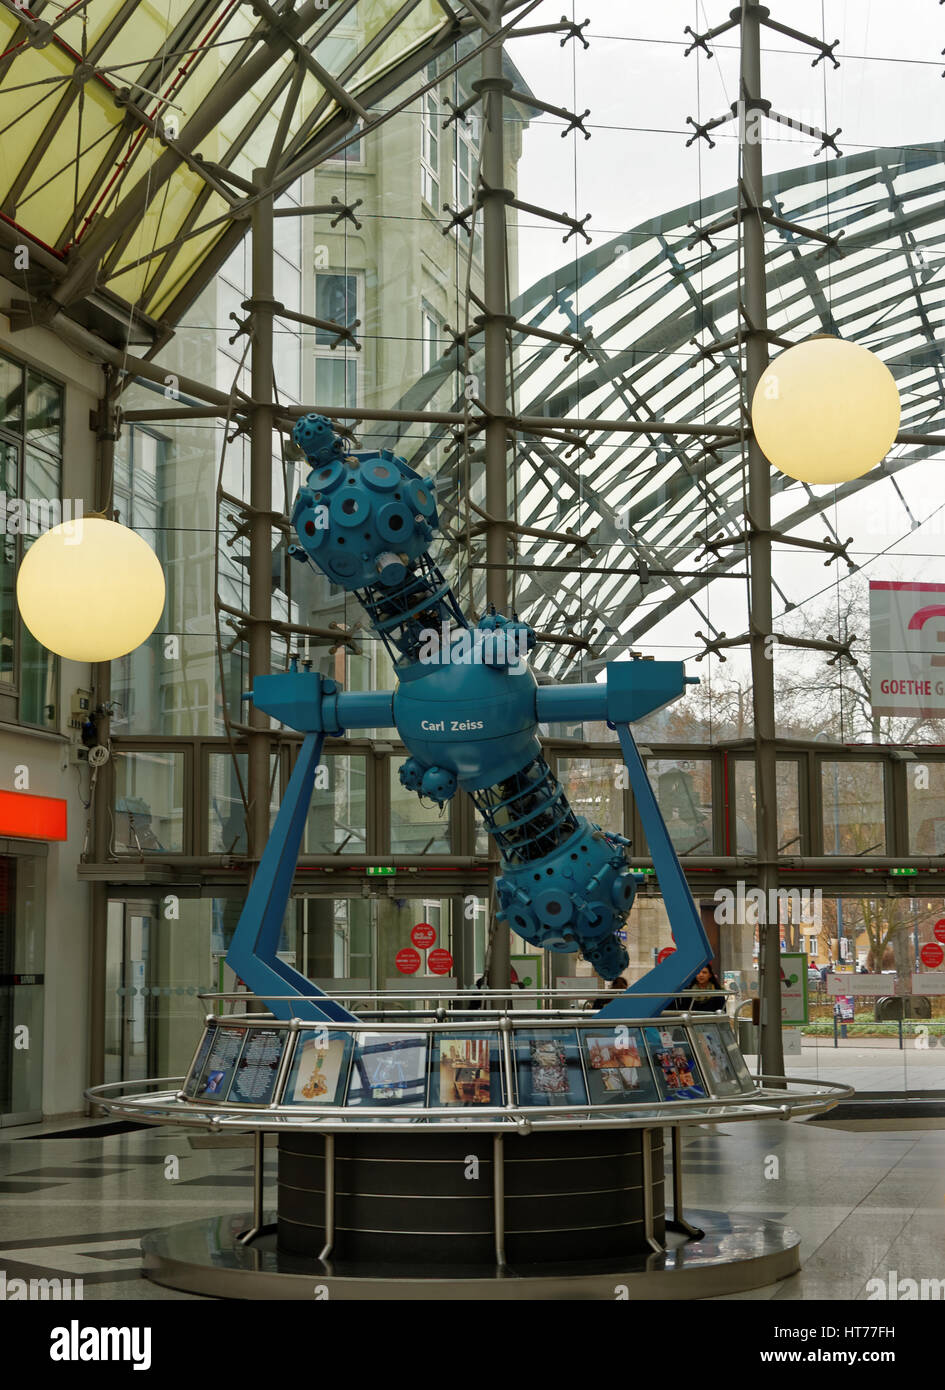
[{"x": 705, "y": 979}]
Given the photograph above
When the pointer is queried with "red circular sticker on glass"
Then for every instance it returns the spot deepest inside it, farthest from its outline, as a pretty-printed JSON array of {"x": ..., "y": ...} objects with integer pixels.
[
  {"x": 440, "y": 961},
  {"x": 423, "y": 935},
  {"x": 407, "y": 961},
  {"x": 666, "y": 951},
  {"x": 938, "y": 931},
  {"x": 932, "y": 954}
]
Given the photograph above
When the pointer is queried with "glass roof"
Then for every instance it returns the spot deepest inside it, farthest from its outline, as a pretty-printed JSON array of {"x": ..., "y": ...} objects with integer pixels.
[
  {"x": 657, "y": 309},
  {"x": 131, "y": 128}
]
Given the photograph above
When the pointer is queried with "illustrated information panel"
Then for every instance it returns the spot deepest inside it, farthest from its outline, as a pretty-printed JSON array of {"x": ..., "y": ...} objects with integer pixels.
[{"x": 319, "y": 1069}]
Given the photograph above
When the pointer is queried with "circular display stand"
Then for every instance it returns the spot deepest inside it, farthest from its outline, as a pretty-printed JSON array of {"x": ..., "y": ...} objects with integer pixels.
[
  {"x": 454, "y": 1158},
  {"x": 734, "y": 1255}
]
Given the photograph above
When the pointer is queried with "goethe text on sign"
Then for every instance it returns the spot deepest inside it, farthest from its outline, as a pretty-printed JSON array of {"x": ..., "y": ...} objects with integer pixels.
[{"x": 907, "y": 636}]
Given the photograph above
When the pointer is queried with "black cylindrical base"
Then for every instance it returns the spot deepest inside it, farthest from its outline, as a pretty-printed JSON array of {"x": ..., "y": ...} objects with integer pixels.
[{"x": 430, "y": 1198}]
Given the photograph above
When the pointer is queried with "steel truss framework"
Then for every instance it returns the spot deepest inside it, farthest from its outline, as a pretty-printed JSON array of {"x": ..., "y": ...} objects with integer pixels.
[
  {"x": 657, "y": 314},
  {"x": 141, "y": 170},
  {"x": 132, "y": 187}
]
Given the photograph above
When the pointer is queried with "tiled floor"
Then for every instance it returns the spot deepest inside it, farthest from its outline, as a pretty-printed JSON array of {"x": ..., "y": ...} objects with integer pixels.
[
  {"x": 870, "y": 1064},
  {"x": 864, "y": 1203}
]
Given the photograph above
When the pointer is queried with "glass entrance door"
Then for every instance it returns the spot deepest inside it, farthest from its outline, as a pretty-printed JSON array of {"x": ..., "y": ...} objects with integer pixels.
[{"x": 160, "y": 956}]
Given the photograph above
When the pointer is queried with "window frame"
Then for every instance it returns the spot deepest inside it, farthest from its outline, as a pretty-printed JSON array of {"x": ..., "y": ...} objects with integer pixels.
[
  {"x": 11, "y": 692},
  {"x": 431, "y": 111},
  {"x": 325, "y": 352}
]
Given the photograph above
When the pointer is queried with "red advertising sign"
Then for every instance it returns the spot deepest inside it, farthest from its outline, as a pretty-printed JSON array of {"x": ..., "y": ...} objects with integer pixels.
[
  {"x": 666, "y": 952},
  {"x": 407, "y": 961},
  {"x": 938, "y": 931},
  {"x": 440, "y": 962},
  {"x": 932, "y": 955},
  {"x": 423, "y": 935},
  {"x": 31, "y": 817}
]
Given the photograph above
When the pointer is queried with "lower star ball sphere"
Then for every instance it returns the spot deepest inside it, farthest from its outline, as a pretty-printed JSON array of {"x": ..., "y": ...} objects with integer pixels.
[
  {"x": 826, "y": 411},
  {"x": 90, "y": 590}
]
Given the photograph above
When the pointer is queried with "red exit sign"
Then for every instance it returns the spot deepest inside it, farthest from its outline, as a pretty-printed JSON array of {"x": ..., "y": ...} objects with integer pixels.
[{"x": 31, "y": 817}]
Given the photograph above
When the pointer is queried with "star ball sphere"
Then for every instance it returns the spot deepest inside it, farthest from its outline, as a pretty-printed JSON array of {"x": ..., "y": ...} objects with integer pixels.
[
  {"x": 90, "y": 589},
  {"x": 826, "y": 411}
]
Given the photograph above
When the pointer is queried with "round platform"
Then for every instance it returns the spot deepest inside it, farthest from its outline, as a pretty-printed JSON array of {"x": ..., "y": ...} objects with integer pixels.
[
  {"x": 489, "y": 1157},
  {"x": 432, "y": 1198},
  {"x": 735, "y": 1255}
]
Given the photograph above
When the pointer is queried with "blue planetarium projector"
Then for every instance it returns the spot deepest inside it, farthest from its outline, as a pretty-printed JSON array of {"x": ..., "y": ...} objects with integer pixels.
[{"x": 467, "y": 708}]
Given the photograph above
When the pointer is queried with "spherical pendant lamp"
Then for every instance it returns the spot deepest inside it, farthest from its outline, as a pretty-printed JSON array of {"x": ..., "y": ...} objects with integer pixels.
[
  {"x": 826, "y": 411},
  {"x": 90, "y": 589}
]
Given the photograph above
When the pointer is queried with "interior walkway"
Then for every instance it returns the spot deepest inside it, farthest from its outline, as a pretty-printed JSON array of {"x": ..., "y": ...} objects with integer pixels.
[{"x": 864, "y": 1203}]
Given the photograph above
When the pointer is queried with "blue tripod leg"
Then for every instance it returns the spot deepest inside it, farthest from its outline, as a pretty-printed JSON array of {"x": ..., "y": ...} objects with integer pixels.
[
  {"x": 692, "y": 945},
  {"x": 252, "y": 954}
]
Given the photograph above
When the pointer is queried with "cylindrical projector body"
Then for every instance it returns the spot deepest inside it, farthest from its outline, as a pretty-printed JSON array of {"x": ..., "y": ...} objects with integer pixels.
[{"x": 465, "y": 705}]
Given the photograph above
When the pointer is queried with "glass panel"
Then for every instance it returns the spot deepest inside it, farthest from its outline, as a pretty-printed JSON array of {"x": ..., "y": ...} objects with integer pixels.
[
  {"x": 683, "y": 790},
  {"x": 39, "y": 678},
  {"x": 854, "y": 818},
  {"x": 594, "y": 787},
  {"x": 336, "y": 381},
  {"x": 39, "y": 682},
  {"x": 44, "y": 414},
  {"x": 159, "y": 957},
  {"x": 336, "y": 937},
  {"x": 396, "y": 919},
  {"x": 226, "y": 826},
  {"x": 788, "y": 799},
  {"x": 287, "y": 361},
  {"x": 789, "y": 808},
  {"x": 336, "y": 299},
  {"x": 337, "y": 817},
  {"x": 416, "y": 827},
  {"x": 925, "y": 793},
  {"x": 11, "y": 395},
  {"x": 149, "y": 802},
  {"x": 42, "y": 486}
]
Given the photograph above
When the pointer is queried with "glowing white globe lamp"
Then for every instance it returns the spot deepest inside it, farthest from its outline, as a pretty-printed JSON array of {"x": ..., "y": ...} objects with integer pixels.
[
  {"x": 90, "y": 589},
  {"x": 826, "y": 411}
]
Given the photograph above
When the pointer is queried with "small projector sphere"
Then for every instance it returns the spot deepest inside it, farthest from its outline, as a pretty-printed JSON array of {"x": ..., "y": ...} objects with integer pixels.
[
  {"x": 826, "y": 411},
  {"x": 90, "y": 590}
]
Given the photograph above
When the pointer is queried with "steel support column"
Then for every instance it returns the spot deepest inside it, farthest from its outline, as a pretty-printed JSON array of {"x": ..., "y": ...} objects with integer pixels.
[
  {"x": 493, "y": 87},
  {"x": 102, "y": 795},
  {"x": 260, "y": 523},
  {"x": 758, "y": 525}
]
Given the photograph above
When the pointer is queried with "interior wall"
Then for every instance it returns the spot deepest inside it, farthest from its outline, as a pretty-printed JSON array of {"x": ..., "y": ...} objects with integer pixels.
[{"x": 47, "y": 755}]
